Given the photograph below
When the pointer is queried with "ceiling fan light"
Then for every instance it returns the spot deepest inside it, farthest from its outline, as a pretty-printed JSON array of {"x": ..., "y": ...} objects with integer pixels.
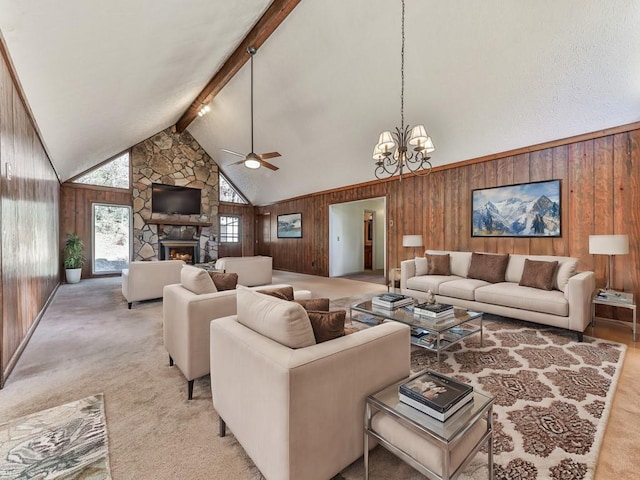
[{"x": 252, "y": 161}]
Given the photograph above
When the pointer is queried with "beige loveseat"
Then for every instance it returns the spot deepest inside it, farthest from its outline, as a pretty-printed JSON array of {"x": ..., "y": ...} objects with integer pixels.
[
  {"x": 567, "y": 305},
  {"x": 251, "y": 271},
  {"x": 299, "y": 412},
  {"x": 187, "y": 310},
  {"x": 145, "y": 280}
]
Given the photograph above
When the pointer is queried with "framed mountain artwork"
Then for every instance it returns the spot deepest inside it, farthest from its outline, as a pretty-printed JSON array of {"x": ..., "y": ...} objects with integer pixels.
[{"x": 522, "y": 210}]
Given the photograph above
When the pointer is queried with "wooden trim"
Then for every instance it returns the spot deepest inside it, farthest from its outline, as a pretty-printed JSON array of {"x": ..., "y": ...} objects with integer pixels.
[
  {"x": 268, "y": 23},
  {"x": 487, "y": 158},
  {"x": 4, "y": 51},
  {"x": 25, "y": 341}
]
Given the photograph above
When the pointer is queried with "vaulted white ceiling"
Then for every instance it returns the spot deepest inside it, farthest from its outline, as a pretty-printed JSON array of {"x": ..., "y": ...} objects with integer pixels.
[{"x": 484, "y": 77}]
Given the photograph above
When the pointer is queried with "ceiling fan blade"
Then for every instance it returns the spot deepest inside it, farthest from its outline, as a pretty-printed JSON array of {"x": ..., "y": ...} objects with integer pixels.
[
  {"x": 268, "y": 165},
  {"x": 233, "y": 153},
  {"x": 264, "y": 156},
  {"x": 237, "y": 163}
]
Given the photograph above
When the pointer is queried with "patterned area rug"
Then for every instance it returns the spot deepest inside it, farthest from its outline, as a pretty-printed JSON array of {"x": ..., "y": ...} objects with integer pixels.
[
  {"x": 66, "y": 442},
  {"x": 552, "y": 395}
]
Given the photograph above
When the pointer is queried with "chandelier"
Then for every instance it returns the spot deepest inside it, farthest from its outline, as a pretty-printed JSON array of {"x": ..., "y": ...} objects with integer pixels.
[{"x": 406, "y": 149}]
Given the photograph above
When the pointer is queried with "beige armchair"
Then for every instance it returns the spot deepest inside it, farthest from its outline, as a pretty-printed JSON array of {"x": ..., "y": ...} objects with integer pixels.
[
  {"x": 186, "y": 318},
  {"x": 145, "y": 280},
  {"x": 299, "y": 412}
]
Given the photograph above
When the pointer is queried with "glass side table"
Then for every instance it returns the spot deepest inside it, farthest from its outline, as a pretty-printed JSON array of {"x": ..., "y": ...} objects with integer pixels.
[
  {"x": 614, "y": 299},
  {"x": 438, "y": 450}
]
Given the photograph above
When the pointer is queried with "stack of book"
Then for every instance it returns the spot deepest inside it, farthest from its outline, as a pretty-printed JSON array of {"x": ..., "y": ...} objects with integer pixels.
[
  {"x": 437, "y": 312},
  {"x": 436, "y": 395},
  {"x": 391, "y": 301}
]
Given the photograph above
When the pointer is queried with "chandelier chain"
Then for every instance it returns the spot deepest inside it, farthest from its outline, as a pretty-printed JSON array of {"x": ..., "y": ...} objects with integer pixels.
[{"x": 402, "y": 73}]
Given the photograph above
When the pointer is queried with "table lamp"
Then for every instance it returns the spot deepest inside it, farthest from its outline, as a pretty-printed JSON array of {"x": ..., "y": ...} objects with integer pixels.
[
  {"x": 412, "y": 241},
  {"x": 609, "y": 245}
]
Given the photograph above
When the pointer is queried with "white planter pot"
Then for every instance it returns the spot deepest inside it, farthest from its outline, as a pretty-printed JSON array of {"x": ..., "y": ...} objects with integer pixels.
[{"x": 73, "y": 274}]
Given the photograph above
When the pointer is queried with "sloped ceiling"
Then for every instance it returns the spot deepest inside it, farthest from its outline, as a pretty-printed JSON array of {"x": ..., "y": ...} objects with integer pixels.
[{"x": 484, "y": 77}]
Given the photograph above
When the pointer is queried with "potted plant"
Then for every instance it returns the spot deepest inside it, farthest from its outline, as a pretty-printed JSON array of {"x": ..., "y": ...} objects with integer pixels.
[{"x": 73, "y": 257}]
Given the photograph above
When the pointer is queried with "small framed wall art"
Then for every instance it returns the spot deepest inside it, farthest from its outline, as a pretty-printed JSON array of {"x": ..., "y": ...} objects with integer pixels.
[
  {"x": 522, "y": 210},
  {"x": 290, "y": 225}
]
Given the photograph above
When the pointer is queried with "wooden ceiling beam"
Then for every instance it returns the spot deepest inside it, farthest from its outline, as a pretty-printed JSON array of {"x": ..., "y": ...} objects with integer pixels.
[{"x": 268, "y": 23}]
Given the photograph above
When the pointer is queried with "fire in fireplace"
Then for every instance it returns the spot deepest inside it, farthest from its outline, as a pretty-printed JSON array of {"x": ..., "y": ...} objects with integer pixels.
[{"x": 186, "y": 250}]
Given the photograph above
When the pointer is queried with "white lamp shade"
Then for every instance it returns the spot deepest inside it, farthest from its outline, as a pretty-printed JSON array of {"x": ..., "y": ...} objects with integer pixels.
[
  {"x": 428, "y": 146},
  {"x": 386, "y": 142},
  {"x": 418, "y": 135},
  {"x": 609, "y": 244},
  {"x": 412, "y": 240},
  {"x": 377, "y": 153}
]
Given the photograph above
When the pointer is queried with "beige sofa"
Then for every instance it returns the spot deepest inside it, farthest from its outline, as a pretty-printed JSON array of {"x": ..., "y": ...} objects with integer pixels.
[
  {"x": 186, "y": 316},
  {"x": 567, "y": 305},
  {"x": 251, "y": 271},
  {"x": 145, "y": 280},
  {"x": 299, "y": 412}
]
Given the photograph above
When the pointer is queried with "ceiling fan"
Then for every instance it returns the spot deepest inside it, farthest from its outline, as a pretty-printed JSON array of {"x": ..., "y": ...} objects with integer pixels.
[{"x": 252, "y": 159}]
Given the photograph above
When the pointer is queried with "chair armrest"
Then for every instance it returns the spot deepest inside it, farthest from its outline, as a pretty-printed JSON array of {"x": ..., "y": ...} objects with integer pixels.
[
  {"x": 407, "y": 270},
  {"x": 125, "y": 283},
  {"x": 579, "y": 292},
  {"x": 304, "y": 400}
]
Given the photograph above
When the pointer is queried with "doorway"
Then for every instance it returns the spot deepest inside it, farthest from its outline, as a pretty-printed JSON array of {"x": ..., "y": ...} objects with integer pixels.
[
  {"x": 111, "y": 238},
  {"x": 348, "y": 239}
]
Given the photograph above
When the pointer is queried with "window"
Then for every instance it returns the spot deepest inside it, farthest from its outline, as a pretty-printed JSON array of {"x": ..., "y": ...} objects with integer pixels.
[
  {"x": 228, "y": 193},
  {"x": 111, "y": 238},
  {"x": 111, "y": 174},
  {"x": 229, "y": 229}
]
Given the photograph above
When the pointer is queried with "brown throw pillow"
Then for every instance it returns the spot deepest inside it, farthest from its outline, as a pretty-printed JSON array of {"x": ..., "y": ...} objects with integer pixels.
[
  {"x": 327, "y": 325},
  {"x": 224, "y": 281},
  {"x": 317, "y": 304},
  {"x": 538, "y": 274},
  {"x": 284, "y": 293},
  {"x": 488, "y": 267},
  {"x": 438, "y": 264}
]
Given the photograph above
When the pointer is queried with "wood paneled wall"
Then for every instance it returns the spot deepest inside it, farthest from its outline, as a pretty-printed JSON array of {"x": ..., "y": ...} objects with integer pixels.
[
  {"x": 247, "y": 229},
  {"x": 29, "y": 253},
  {"x": 600, "y": 195},
  {"x": 76, "y": 214}
]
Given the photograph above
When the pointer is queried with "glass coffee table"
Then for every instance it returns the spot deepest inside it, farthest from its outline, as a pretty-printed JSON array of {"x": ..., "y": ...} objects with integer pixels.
[{"x": 425, "y": 333}]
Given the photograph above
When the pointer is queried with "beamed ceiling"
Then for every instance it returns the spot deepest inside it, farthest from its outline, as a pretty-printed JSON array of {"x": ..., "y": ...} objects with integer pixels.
[{"x": 484, "y": 77}]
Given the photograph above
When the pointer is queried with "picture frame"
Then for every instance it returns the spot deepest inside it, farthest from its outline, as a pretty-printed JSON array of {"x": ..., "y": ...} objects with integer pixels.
[
  {"x": 290, "y": 225},
  {"x": 521, "y": 210}
]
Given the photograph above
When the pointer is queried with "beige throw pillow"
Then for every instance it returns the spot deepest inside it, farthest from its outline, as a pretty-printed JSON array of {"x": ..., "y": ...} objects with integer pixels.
[
  {"x": 538, "y": 274},
  {"x": 422, "y": 266},
  {"x": 197, "y": 280},
  {"x": 280, "y": 320},
  {"x": 438, "y": 264},
  {"x": 488, "y": 267}
]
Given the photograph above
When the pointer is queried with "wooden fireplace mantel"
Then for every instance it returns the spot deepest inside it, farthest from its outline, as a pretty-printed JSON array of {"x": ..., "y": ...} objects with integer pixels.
[{"x": 161, "y": 222}]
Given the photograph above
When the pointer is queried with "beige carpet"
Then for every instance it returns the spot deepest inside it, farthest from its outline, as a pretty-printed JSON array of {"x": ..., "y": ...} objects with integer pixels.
[{"x": 88, "y": 341}]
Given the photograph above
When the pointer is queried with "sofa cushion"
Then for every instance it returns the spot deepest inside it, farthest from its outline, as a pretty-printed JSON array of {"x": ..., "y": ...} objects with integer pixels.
[
  {"x": 196, "y": 280},
  {"x": 280, "y": 320},
  {"x": 538, "y": 274},
  {"x": 526, "y": 298},
  {"x": 463, "y": 288},
  {"x": 488, "y": 267},
  {"x": 438, "y": 264},
  {"x": 429, "y": 282},
  {"x": 224, "y": 281},
  {"x": 422, "y": 266},
  {"x": 327, "y": 325},
  {"x": 283, "y": 293},
  {"x": 459, "y": 261},
  {"x": 566, "y": 268},
  {"x": 315, "y": 304}
]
